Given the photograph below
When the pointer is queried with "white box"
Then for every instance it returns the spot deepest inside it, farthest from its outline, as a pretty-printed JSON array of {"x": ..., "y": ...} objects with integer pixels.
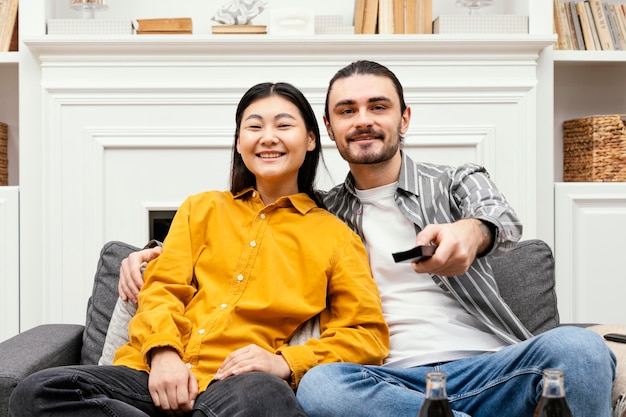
[
  {"x": 90, "y": 27},
  {"x": 487, "y": 23},
  {"x": 332, "y": 25}
]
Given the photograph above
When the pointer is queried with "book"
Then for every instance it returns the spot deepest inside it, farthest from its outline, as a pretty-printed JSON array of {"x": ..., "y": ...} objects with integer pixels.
[
  {"x": 574, "y": 26},
  {"x": 618, "y": 16},
  {"x": 613, "y": 26},
  {"x": 8, "y": 22},
  {"x": 602, "y": 26},
  {"x": 564, "y": 37},
  {"x": 385, "y": 17},
  {"x": 370, "y": 17},
  {"x": 419, "y": 16},
  {"x": 180, "y": 25},
  {"x": 424, "y": 16},
  {"x": 410, "y": 21},
  {"x": 398, "y": 16},
  {"x": 14, "y": 44},
  {"x": 250, "y": 29},
  {"x": 592, "y": 23},
  {"x": 426, "y": 12},
  {"x": 585, "y": 26},
  {"x": 359, "y": 16}
]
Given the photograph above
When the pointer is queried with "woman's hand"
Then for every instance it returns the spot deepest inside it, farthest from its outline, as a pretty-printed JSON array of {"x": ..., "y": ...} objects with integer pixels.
[
  {"x": 253, "y": 358},
  {"x": 172, "y": 385}
]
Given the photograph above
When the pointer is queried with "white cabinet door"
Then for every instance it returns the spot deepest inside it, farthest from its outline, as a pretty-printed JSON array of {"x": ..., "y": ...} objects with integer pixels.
[
  {"x": 590, "y": 229},
  {"x": 9, "y": 262}
]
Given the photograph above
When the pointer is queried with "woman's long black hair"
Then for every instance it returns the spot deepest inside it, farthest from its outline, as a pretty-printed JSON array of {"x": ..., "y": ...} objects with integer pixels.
[{"x": 241, "y": 177}]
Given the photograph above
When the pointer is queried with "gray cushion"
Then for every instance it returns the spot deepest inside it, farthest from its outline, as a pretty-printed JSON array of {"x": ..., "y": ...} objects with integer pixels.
[
  {"x": 103, "y": 298},
  {"x": 526, "y": 279}
]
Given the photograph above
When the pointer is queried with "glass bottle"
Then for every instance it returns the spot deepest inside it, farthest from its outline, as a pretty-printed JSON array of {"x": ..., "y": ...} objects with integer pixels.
[
  {"x": 436, "y": 403},
  {"x": 553, "y": 402}
]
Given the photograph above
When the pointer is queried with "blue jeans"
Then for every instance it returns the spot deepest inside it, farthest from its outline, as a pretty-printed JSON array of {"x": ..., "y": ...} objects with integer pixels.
[
  {"x": 506, "y": 383},
  {"x": 117, "y": 391}
]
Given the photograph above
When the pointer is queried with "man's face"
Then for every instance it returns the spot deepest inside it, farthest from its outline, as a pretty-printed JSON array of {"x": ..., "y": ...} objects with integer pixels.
[{"x": 365, "y": 120}]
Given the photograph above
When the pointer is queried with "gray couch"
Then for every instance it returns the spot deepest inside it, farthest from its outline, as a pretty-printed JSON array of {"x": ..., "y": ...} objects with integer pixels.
[{"x": 525, "y": 276}]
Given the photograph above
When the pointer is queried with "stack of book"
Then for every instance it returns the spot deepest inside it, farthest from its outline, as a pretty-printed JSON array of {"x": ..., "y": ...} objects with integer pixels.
[
  {"x": 592, "y": 25},
  {"x": 393, "y": 16},
  {"x": 176, "y": 26}
]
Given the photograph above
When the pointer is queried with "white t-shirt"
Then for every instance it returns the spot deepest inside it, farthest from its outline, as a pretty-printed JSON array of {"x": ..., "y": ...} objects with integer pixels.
[{"x": 426, "y": 324}]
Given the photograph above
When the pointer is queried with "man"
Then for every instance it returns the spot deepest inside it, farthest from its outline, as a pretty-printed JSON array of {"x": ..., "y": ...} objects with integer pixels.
[{"x": 445, "y": 312}]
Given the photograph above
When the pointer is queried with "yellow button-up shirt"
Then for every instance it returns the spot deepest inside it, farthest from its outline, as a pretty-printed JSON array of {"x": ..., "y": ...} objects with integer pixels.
[{"x": 235, "y": 272}]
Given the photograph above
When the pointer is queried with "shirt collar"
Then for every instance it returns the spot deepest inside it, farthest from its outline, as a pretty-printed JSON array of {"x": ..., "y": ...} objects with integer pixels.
[
  {"x": 403, "y": 182},
  {"x": 301, "y": 201}
]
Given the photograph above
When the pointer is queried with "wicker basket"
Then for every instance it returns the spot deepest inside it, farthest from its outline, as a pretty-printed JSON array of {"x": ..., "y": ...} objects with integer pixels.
[
  {"x": 4, "y": 162},
  {"x": 594, "y": 149}
]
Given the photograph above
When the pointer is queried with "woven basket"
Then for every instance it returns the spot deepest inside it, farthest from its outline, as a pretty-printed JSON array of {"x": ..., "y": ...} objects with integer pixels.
[
  {"x": 594, "y": 149},
  {"x": 4, "y": 162}
]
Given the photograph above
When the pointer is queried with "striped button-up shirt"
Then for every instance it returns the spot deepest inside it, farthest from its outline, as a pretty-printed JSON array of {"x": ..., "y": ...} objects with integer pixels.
[{"x": 436, "y": 194}]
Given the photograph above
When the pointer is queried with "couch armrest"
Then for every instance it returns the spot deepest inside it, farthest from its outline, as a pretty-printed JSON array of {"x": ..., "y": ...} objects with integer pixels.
[{"x": 41, "y": 347}]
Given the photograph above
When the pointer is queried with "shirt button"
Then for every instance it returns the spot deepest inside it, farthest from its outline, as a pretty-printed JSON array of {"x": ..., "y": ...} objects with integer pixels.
[
  {"x": 359, "y": 212},
  {"x": 239, "y": 277},
  {"x": 253, "y": 193},
  {"x": 223, "y": 306},
  {"x": 188, "y": 365},
  {"x": 201, "y": 331},
  {"x": 253, "y": 243},
  {"x": 263, "y": 215}
]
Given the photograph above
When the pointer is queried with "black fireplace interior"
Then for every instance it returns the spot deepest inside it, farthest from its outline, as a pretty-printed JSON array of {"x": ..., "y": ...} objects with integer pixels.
[{"x": 160, "y": 221}]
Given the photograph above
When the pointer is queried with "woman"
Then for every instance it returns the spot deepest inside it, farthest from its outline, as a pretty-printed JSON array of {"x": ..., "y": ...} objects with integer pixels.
[{"x": 240, "y": 272}]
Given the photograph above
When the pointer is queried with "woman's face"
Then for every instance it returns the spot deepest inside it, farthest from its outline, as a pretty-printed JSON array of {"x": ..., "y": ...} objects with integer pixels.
[{"x": 273, "y": 142}]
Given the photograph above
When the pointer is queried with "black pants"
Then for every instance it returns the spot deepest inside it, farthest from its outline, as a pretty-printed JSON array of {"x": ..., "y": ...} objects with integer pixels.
[{"x": 119, "y": 391}]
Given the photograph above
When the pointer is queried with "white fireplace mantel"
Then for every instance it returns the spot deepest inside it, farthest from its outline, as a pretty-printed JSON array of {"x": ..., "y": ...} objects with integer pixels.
[
  {"x": 136, "y": 123},
  {"x": 509, "y": 47}
]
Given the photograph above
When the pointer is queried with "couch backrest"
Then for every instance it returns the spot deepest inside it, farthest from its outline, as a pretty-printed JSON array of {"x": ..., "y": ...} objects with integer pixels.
[
  {"x": 103, "y": 298},
  {"x": 525, "y": 279}
]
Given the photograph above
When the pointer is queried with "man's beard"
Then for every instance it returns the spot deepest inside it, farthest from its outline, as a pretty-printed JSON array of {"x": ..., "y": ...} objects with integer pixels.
[{"x": 367, "y": 157}]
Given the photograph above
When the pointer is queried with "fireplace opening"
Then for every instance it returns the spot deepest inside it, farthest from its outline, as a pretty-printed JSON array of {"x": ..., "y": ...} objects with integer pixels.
[{"x": 160, "y": 221}]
